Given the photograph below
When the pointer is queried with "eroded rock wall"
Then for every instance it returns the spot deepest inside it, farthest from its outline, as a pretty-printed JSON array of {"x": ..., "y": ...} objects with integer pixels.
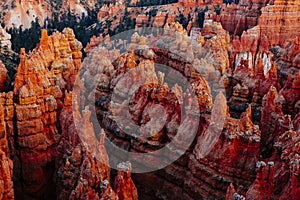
[{"x": 41, "y": 135}]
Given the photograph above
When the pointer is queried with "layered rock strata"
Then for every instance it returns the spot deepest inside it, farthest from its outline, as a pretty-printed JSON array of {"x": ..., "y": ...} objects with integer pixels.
[{"x": 238, "y": 18}]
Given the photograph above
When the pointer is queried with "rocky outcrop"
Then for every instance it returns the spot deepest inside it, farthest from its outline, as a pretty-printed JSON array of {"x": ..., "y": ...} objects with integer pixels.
[
  {"x": 245, "y": 47},
  {"x": 6, "y": 164},
  {"x": 271, "y": 113},
  {"x": 279, "y": 22},
  {"x": 193, "y": 3},
  {"x": 260, "y": 59},
  {"x": 9, "y": 58},
  {"x": 89, "y": 159},
  {"x": 247, "y": 14},
  {"x": 250, "y": 81},
  {"x": 3, "y": 138},
  {"x": 6, "y": 100},
  {"x": 218, "y": 133},
  {"x": 141, "y": 20},
  {"x": 238, "y": 18},
  {"x": 18, "y": 13},
  {"x": 254, "y": 75},
  {"x": 290, "y": 92},
  {"x": 78, "y": 8},
  {"x": 287, "y": 58},
  {"x": 38, "y": 92},
  {"x": 4, "y": 39},
  {"x": 239, "y": 100},
  {"x": 257, "y": 42},
  {"x": 252, "y": 132},
  {"x": 124, "y": 186},
  {"x": 228, "y": 137},
  {"x": 7, "y": 149},
  {"x": 6, "y": 168},
  {"x": 94, "y": 42},
  {"x": 274, "y": 122},
  {"x": 219, "y": 39},
  {"x": 262, "y": 187},
  {"x": 278, "y": 179},
  {"x": 42, "y": 130},
  {"x": 24, "y": 12},
  {"x": 231, "y": 194},
  {"x": 3, "y": 77},
  {"x": 108, "y": 11},
  {"x": 286, "y": 177},
  {"x": 160, "y": 20}
]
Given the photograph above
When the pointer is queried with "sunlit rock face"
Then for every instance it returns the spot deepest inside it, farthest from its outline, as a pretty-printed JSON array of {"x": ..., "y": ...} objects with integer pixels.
[
  {"x": 23, "y": 12},
  {"x": 78, "y": 7},
  {"x": 237, "y": 18},
  {"x": 4, "y": 39},
  {"x": 279, "y": 22},
  {"x": 40, "y": 132},
  {"x": 267, "y": 14},
  {"x": 40, "y": 81}
]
